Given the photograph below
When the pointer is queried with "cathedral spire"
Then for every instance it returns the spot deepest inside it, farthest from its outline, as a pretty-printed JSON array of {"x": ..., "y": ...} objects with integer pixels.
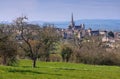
[
  {"x": 72, "y": 24},
  {"x": 72, "y": 21}
]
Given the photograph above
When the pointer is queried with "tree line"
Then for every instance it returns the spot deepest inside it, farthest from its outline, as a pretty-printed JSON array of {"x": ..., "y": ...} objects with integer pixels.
[{"x": 21, "y": 40}]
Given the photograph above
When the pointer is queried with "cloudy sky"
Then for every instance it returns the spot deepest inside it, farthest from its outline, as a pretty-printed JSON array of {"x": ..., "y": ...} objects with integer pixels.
[{"x": 59, "y": 10}]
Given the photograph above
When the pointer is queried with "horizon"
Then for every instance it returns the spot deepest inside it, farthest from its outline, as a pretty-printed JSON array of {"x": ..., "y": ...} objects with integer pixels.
[
  {"x": 54, "y": 10},
  {"x": 6, "y": 21}
]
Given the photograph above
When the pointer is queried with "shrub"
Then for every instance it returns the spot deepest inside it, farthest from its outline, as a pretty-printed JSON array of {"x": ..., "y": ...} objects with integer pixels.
[{"x": 55, "y": 57}]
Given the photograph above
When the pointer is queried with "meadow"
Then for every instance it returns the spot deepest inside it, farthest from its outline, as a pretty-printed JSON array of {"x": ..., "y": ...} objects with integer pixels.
[{"x": 58, "y": 70}]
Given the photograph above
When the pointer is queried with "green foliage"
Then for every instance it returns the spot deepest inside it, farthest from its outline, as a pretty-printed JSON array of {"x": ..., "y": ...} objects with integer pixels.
[
  {"x": 66, "y": 52},
  {"x": 55, "y": 57},
  {"x": 8, "y": 50},
  {"x": 50, "y": 38}
]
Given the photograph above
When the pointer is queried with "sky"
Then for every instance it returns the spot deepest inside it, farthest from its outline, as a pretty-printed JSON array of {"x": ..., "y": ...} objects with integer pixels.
[{"x": 59, "y": 10}]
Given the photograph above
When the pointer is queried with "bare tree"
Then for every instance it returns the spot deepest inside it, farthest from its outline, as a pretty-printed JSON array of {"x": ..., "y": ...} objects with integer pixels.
[
  {"x": 31, "y": 39},
  {"x": 36, "y": 40}
]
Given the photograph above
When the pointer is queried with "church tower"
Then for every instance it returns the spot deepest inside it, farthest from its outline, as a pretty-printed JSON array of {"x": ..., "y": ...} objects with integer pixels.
[{"x": 72, "y": 23}]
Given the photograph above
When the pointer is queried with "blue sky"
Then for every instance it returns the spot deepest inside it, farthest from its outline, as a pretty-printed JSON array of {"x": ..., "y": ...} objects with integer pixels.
[{"x": 59, "y": 10}]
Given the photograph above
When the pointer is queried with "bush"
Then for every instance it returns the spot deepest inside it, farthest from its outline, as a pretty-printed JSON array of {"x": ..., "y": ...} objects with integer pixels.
[
  {"x": 96, "y": 53},
  {"x": 8, "y": 50},
  {"x": 55, "y": 57}
]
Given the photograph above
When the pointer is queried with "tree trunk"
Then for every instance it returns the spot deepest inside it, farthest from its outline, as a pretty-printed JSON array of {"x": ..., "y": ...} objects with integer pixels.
[
  {"x": 47, "y": 57},
  {"x": 34, "y": 62},
  {"x": 4, "y": 60},
  {"x": 67, "y": 59},
  {"x": 63, "y": 59}
]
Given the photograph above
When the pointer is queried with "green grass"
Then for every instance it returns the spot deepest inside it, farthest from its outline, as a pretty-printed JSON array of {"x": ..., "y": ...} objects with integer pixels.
[{"x": 58, "y": 70}]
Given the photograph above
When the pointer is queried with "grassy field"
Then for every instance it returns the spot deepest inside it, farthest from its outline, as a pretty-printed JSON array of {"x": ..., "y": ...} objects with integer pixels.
[{"x": 58, "y": 70}]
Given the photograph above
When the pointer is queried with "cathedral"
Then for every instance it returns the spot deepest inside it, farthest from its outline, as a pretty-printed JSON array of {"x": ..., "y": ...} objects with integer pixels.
[
  {"x": 75, "y": 27},
  {"x": 74, "y": 30}
]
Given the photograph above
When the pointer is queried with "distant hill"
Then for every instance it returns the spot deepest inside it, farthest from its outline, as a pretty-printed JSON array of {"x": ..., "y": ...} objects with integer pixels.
[
  {"x": 4, "y": 22},
  {"x": 113, "y": 25},
  {"x": 95, "y": 24}
]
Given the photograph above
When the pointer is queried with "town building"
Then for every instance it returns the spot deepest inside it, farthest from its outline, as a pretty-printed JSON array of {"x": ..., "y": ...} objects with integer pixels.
[{"x": 74, "y": 30}]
